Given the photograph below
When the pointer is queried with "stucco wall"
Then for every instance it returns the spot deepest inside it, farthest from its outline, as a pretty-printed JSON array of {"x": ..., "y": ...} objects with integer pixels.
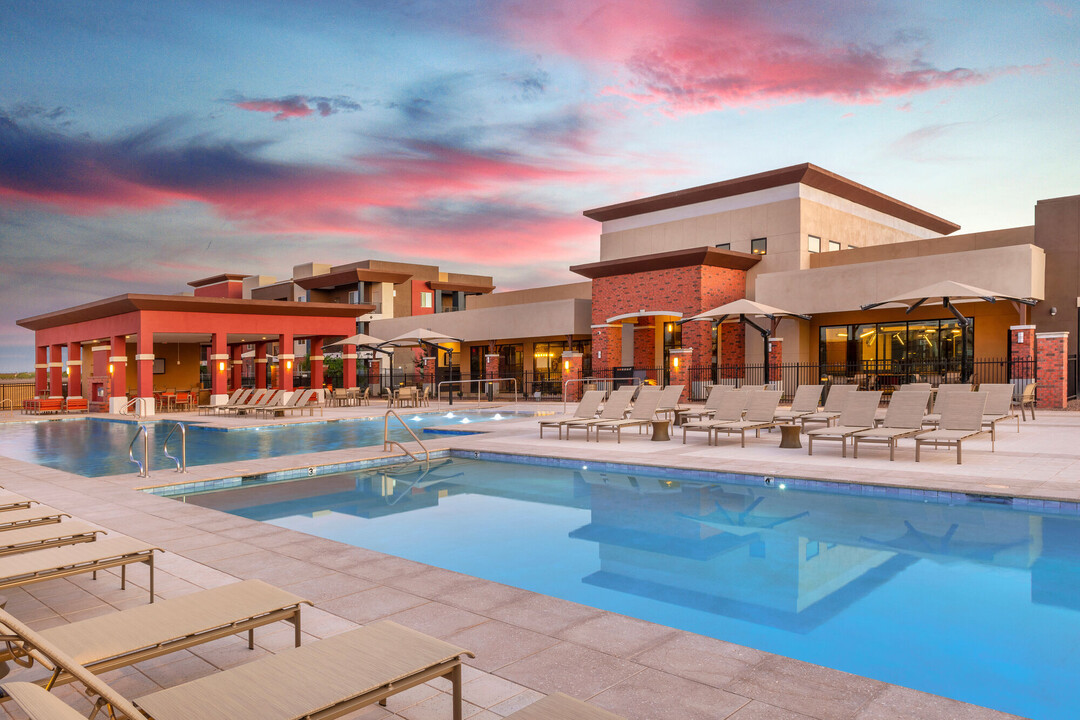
[{"x": 557, "y": 317}]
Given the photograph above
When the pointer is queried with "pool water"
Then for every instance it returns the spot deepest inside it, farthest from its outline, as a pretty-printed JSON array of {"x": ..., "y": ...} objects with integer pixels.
[
  {"x": 975, "y": 601},
  {"x": 95, "y": 447}
]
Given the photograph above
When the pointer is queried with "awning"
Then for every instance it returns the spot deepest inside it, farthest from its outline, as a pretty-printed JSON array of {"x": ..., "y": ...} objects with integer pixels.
[{"x": 644, "y": 313}]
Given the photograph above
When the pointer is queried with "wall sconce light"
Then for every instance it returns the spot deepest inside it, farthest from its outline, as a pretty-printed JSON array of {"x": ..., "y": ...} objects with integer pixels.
[
  {"x": 566, "y": 365},
  {"x": 1053, "y": 311},
  {"x": 221, "y": 366},
  {"x": 288, "y": 364},
  {"x": 675, "y": 362},
  {"x": 110, "y": 368}
]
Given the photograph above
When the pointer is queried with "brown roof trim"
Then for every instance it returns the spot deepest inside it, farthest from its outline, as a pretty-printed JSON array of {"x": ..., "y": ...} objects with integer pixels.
[
  {"x": 351, "y": 277},
  {"x": 215, "y": 279},
  {"x": 710, "y": 256},
  {"x": 460, "y": 287},
  {"x": 122, "y": 304},
  {"x": 806, "y": 173}
]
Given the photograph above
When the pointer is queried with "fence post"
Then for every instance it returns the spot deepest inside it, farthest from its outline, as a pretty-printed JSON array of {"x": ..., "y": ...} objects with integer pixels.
[
  {"x": 572, "y": 371},
  {"x": 679, "y": 370},
  {"x": 1051, "y": 351}
]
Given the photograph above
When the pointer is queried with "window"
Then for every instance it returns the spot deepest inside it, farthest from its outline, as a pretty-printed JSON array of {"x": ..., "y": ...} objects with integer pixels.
[
  {"x": 833, "y": 245},
  {"x": 723, "y": 246},
  {"x": 547, "y": 357},
  {"x": 926, "y": 344},
  {"x": 354, "y": 297},
  {"x": 758, "y": 246},
  {"x": 813, "y": 243},
  {"x": 426, "y": 299}
]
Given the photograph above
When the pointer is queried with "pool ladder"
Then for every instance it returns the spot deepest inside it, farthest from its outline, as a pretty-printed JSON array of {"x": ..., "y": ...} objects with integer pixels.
[
  {"x": 388, "y": 443},
  {"x": 144, "y": 464}
]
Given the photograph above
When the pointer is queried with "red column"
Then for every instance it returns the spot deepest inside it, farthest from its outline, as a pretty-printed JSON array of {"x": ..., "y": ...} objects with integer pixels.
[
  {"x": 1052, "y": 351},
  {"x": 118, "y": 371},
  {"x": 776, "y": 359},
  {"x": 56, "y": 371},
  {"x": 375, "y": 371},
  {"x": 236, "y": 353},
  {"x": 679, "y": 369},
  {"x": 606, "y": 347},
  {"x": 698, "y": 337},
  {"x": 348, "y": 367},
  {"x": 41, "y": 369},
  {"x": 571, "y": 370},
  {"x": 285, "y": 362},
  {"x": 732, "y": 350},
  {"x": 260, "y": 365},
  {"x": 1022, "y": 353},
  {"x": 316, "y": 359},
  {"x": 218, "y": 366},
  {"x": 74, "y": 369},
  {"x": 491, "y": 365},
  {"x": 144, "y": 370},
  {"x": 429, "y": 371}
]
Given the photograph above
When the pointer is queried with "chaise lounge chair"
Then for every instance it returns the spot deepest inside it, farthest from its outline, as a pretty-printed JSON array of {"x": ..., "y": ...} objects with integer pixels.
[
  {"x": 643, "y": 413},
  {"x": 120, "y": 639},
  {"x": 586, "y": 409},
  {"x": 805, "y": 402},
  {"x": 30, "y": 517},
  {"x": 57, "y": 562},
  {"x": 712, "y": 402},
  {"x": 39, "y": 537},
  {"x": 730, "y": 408},
  {"x": 904, "y": 419},
  {"x": 857, "y": 415},
  {"x": 834, "y": 403},
  {"x": 614, "y": 409},
  {"x": 879, "y": 416},
  {"x": 325, "y": 679},
  {"x": 961, "y": 420},
  {"x": 760, "y": 414},
  {"x": 562, "y": 707},
  {"x": 941, "y": 400},
  {"x": 238, "y": 397},
  {"x": 998, "y": 405},
  {"x": 669, "y": 400},
  {"x": 14, "y": 501}
]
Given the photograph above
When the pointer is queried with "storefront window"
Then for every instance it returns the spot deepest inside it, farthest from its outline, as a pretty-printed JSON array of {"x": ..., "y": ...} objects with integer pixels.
[
  {"x": 547, "y": 356},
  {"x": 918, "y": 342},
  {"x": 834, "y": 345}
]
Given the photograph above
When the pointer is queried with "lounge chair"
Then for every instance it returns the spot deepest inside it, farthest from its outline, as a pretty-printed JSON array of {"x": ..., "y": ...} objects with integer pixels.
[
  {"x": 586, "y": 408},
  {"x": 14, "y": 501},
  {"x": 258, "y": 401},
  {"x": 562, "y": 707},
  {"x": 324, "y": 679},
  {"x": 879, "y": 416},
  {"x": 39, "y": 537},
  {"x": 760, "y": 414},
  {"x": 120, "y": 639},
  {"x": 643, "y": 413},
  {"x": 30, "y": 517},
  {"x": 941, "y": 399},
  {"x": 56, "y": 562},
  {"x": 279, "y": 406},
  {"x": 834, "y": 403},
  {"x": 805, "y": 402},
  {"x": 904, "y": 419},
  {"x": 239, "y": 396},
  {"x": 614, "y": 409},
  {"x": 730, "y": 408},
  {"x": 998, "y": 405},
  {"x": 669, "y": 400},
  {"x": 857, "y": 415},
  {"x": 258, "y": 395},
  {"x": 962, "y": 420},
  {"x": 1027, "y": 400},
  {"x": 712, "y": 402}
]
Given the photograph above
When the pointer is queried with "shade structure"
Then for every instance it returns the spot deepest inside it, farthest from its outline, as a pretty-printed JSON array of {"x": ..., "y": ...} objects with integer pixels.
[
  {"x": 419, "y": 337},
  {"x": 361, "y": 339},
  {"x": 743, "y": 310}
]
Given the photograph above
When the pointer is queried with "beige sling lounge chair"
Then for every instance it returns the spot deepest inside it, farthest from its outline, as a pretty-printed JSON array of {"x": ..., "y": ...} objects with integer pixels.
[
  {"x": 669, "y": 400},
  {"x": 805, "y": 402},
  {"x": 643, "y": 413},
  {"x": 1027, "y": 400},
  {"x": 712, "y": 402},
  {"x": 834, "y": 403},
  {"x": 562, "y": 707},
  {"x": 29, "y": 517},
  {"x": 729, "y": 408},
  {"x": 903, "y": 419},
  {"x": 130, "y": 636},
  {"x": 614, "y": 409},
  {"x": 879, "y": 416},
  {"x": 858, "y": 414},
  {"x": 239, "y": 397},
  {"x": 14, "y": 501},
  {"x": 998, "y": 406},
  {"x": 39, "y": 537},
  {"x": 586, "y": 409},
  {"x": 961, "y": 420},
  {"x": 56, "y": 562},
  {"x": 760, "y": 414},
  {"x": 941, "y": 396},
  {"x": 325, "y": 679}
]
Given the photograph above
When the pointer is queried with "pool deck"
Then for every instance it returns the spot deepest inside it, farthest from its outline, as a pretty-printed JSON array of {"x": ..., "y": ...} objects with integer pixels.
[{"x": 526, "y": 644}]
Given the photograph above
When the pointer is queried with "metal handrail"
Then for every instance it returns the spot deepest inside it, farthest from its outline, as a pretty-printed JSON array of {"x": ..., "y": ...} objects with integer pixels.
[
  {"x": 479, "y": 393},
  {"x": 181, "y": 463},
  {"x": 144, "y": 466},
  {"x": 10, "y": 403},
  {"x": 138, "y": 402},
  {"x": 388, "y": 443},
  {"x": 631, "y": 380}
]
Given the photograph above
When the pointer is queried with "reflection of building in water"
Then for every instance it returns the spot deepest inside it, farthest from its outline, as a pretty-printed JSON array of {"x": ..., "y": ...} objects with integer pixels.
[
  {"x": 1055, "y": 574},
  {"x": 788, "y": 559}
]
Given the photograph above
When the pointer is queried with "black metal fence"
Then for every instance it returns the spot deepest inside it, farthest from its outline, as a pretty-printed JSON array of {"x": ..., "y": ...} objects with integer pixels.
[{"x": 1070, "y": 377}]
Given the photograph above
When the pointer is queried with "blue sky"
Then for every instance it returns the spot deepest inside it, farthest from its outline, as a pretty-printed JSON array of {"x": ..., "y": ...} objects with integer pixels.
[{"x": 143, "y": 145}]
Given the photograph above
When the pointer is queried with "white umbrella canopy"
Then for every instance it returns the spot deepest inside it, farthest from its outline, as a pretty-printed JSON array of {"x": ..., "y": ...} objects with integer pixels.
[
  {"x": 947, "y": 292},
  {"x": 735, "y": 311},
  {"x": 420, "y": 336},
  {"x": 360, "y": 339}
]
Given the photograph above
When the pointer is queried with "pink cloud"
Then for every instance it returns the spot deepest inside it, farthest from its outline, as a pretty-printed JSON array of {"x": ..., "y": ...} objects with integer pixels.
[{"x": 282, "y": 109}]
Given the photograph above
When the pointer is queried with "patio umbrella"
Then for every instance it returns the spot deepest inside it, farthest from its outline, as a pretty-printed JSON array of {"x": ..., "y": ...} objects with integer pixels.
[
  {"x": 361, "y": 340},
  {"x": 742, "y": 311},
  {"x": 421, "y": 337},
  {"x": 949, "y": 292}
]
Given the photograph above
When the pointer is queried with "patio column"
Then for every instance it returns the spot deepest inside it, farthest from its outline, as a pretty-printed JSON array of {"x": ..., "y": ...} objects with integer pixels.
[
  {"x": 776, "y": 358},
  {"x": 491, "y": 371},
  {"x": 1021, "y": 355},
  {"x": 260, "y": 365},
  {"x": 236, "y": 353},
  {"x": 285, "y": 363},
  {"x": 606, "y": 347},
  {"x": 571, "y": 370},
  {"x": 375, "y": 371},
  {"x": 56, "y": 371},
  {"x": 732, "y": 350},
  {"x": 144, "y": 370},
  {"x": 429, "y": 364},
  {"x": 1052, "y": 352},
  {"x": 41, "y": 369},
  {"x": 74, "y": 364},
  {"x": 679, "y": 369},
  {"x": 348, "y": 367},
  {"x": 218, "y": 366},
  {"x": 118, "y": 371},
  {"x": 316, "y": 359}
]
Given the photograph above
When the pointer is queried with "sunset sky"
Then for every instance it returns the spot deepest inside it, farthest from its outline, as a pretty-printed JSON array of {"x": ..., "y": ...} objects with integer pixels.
[{"x": 146, "y": 144}]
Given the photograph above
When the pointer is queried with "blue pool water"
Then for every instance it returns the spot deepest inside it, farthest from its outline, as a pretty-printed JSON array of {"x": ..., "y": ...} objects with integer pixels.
[
  {"x": 975, "y": 601},
  {"x": 95, "y": 447}
]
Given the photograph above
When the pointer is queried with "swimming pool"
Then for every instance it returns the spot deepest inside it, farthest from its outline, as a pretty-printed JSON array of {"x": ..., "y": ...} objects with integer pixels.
[
  {"x": 95, "y": 447},
  {"x": 978, "y": 601}
]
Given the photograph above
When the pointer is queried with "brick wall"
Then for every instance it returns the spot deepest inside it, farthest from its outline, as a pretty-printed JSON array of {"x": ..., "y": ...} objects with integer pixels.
[
  {"x": 606, "y": 348},
  {"x": 644, "y": 346},
  {"x": 732, "y": 350},
  {"x": 1051, "y": 351},
  {"x": 776, "y": 359}
]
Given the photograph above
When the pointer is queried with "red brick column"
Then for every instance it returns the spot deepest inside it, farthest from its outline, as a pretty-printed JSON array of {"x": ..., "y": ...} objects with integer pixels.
[
  {"x": 697, "y": 336},
  {"x": 375, "y": 371},
  {"x": 316, "y": 360},
  {"x": 491, "y": 370},
  {"x": 1022, "y": 352},
  {"x": 41, "y": 369},
  {"x": 429, "y": 371},
  {"x": 56, "y": 371},
  {"x": 236, "y": 353},
  {"x": 572, "y": 362},
  {"x": 285, "y": 362},
  {"x": 776, "y": 359},
  {"x": 144, "y": 370},
  {"x": 732, "y": 350},
  {"x": 1052, "y": 353},
  {"x": 679, "y": 369},
  {"x": 606, "y": 347},
  {"x": 348, "y": 367},
  {"x": 118, "y": 371},
  {"x": 74, "y": 369},
  {"x": 217, "y": 364},
  {"x": 260, "y": 365},
  {"x": 644, "y": 346}
]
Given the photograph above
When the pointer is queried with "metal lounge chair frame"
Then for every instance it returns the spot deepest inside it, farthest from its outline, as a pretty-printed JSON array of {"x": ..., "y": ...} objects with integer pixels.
[
  {"x": 760, "y": 414},
  {"x": 643, "y": 413},
  {"x": 858, "y": 414},
  {"x": 998, "y": 405},
  {"x": 712, "y": 402},
  {"x": 39, "y": 537},
  {"x": 730, "y": 408},
  {"x": 586, "y": 409},
  {"x": 806, "y": 401},
  {"x": 960, "y": 421},
  {"x": 57, "y": 562},
  {"x": 834, "y": 403},
  {"x": 614, "y": 409},
  {"x": 30, "y": 517}
]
